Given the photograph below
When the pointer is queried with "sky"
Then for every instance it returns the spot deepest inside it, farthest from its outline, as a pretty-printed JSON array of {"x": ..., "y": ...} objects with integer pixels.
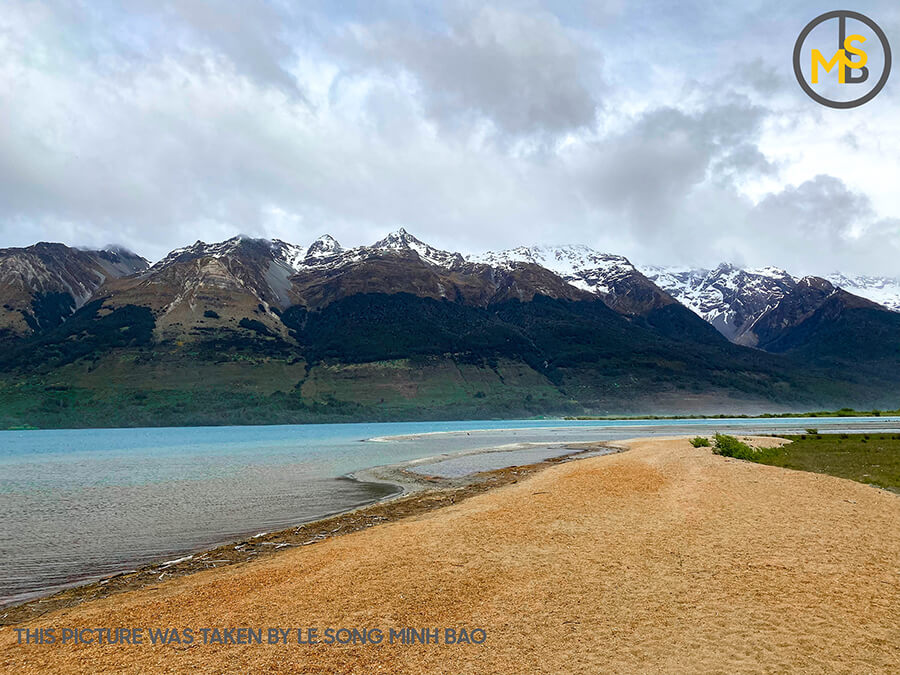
[{"x": 671, "y": 133}]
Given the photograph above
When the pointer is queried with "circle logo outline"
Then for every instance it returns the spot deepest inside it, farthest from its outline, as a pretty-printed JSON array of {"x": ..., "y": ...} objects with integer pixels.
[{"x": 836, "y": 14}]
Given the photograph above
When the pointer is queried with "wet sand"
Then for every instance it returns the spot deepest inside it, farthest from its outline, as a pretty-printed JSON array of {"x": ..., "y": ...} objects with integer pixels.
[{"x": 664, "y": 558}]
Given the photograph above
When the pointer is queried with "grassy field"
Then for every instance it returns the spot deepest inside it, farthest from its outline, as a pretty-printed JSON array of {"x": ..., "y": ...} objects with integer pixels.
[
  {"x": 868, "y": 458},
  {"x": 843, "y": 412}
]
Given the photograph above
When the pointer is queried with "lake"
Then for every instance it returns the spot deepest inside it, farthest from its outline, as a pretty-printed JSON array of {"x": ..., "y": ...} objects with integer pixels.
[{"x": 79, "y": 504}]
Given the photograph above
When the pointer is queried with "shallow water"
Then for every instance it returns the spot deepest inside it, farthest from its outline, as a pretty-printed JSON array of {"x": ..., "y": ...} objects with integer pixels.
[
  {"x": 78, "y": 504},
  {"x": 457, "y": 467}
]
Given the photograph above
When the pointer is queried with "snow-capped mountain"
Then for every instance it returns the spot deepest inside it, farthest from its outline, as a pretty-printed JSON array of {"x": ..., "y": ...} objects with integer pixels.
[
  {"x": 622, "y": 286},
  {"x": 244, "y": 276},
  {"x": 580, "y": 265},
  {"x": 743, "y": 303},
  {"x": 402, "y": 263},
  {"x": 325, "y": 246},
  {"x": 330, "y": 330},
  {"x": 401, "y": 240},
  {"x": 327, "y": 253},
  {"x": 883, "y": 290},
  {"x": 728, "y": 297}
]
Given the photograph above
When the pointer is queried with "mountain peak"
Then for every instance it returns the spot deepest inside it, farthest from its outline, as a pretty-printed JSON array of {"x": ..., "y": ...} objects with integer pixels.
[
  {"x": 324, "y": 247},
  {"x": 401, "y": 240},
  {"x": 239, "y": 245},
  {"x": 118, "y": 250}
]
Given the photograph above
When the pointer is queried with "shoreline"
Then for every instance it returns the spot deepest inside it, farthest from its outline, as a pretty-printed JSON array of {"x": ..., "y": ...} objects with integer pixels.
[
  {"x": 401, "y": 483},
  {"x": 416, "y": 493},
  {"x": 743, "y": 425},
  {"x": 887, "y": 415},
  {"x": 609, "y": 559}
]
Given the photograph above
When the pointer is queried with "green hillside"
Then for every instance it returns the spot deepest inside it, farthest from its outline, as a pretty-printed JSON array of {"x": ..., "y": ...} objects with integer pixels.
[{"x": 398, "y": 356}]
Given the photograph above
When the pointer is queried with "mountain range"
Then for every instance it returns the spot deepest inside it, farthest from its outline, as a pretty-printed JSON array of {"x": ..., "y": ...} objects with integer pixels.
[{"x": 255, "y": 330}]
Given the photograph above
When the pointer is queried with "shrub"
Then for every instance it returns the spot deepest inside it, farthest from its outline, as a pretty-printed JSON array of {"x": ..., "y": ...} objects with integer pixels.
[
  {"x": 729, "y": 446},
  {"x": 256, "y": 326},
  {"x": 812, "y": 432},
  {"x": 700, "y": 442},
  {"x": 210, "y": 314}
]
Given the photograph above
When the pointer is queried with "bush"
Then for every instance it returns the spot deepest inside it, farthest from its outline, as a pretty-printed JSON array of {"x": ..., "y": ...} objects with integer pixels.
[
  {"x": 729, "y": 446},
  {"x": 256, "y": 326},
  {"x": 700, "y": 442},
  {"x": 812, "y": 432}
]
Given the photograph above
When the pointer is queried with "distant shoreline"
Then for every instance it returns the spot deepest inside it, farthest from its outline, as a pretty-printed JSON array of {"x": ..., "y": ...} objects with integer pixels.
[
  {"x": 816, "y": 414},
  {"x": 843, "y": 412}
]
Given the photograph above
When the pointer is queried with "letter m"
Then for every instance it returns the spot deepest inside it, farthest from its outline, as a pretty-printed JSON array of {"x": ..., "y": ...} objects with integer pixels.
[{"x": 838, "y": 58}]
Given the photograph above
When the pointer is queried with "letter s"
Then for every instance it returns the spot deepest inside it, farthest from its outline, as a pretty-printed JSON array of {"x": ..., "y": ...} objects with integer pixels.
[{"x": 848, "y": 47}]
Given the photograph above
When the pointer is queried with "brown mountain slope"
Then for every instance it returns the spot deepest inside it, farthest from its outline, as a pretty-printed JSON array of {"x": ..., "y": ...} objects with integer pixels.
[{"x": 43, "y": 284}]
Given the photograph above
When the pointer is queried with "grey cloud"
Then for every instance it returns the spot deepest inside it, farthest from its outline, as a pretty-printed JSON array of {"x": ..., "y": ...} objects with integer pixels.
[
  {"x": 822, "y": 225},
  {"x": 647, "y": 170},
  {"x": 524, "y": 72},
  {"x": 742, "y": 159},
  {"x": 158, "y": 124},
  {"x": 824, "y": 208},
  {"x": 761, "y": 75},
  {"x": 253, "y": 34},
  {"x": 254, "y": 38}
]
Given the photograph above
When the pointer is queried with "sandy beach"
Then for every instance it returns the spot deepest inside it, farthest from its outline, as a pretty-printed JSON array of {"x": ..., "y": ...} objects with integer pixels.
[{"x": 664, "y": 558}]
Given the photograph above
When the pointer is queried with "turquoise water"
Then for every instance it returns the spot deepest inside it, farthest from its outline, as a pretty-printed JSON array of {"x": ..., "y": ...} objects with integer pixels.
[{"x": 77, "y": 504}]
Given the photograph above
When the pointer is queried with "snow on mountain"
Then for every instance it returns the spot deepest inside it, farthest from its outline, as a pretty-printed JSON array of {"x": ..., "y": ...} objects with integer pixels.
[
  {"x": 200, "y": 249},
  {"x": 325, "y": 246},
  {"x": 580, "y": 265},
  {"x": 401, "y": 240},
  {"x": 290, "y": 254},
  {"x": 679, "y": 282},
  {"x": 728, "y": 297},
  {"x": 325, "y": 253},
  {"x": 883, "y": 290},
  {"x": 619, "y": 283},
  {"x": 733, "y": 299}
]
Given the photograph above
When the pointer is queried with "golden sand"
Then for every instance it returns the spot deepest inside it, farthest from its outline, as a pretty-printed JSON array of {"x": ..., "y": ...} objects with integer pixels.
[{"x": 662, "y": 559}]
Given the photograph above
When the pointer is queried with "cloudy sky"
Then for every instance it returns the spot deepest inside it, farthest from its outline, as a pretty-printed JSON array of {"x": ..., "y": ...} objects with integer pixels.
[{"x": 673, "y": 133}]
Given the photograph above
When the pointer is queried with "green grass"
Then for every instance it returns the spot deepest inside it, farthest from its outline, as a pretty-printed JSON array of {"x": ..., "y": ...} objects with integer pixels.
[
  {"x": 729, "y": 446},
  {"x": 867, "y": 458},
  {"x": 843, "y": 412}
]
